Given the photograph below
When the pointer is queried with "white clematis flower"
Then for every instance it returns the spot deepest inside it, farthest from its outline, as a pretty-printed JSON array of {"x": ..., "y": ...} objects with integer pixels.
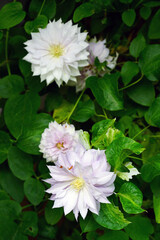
[
  {"x": 80, "y": 181},
  {"x": 58, "y": 138},
  {"x": 57, "y": 52}
]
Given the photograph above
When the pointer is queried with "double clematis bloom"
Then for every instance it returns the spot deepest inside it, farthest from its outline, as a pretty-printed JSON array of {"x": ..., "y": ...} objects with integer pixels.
[
  {"x": 57, "y": 52},
  {"x": 58, "y": 138},
  {"x": 80, "y": 181}
]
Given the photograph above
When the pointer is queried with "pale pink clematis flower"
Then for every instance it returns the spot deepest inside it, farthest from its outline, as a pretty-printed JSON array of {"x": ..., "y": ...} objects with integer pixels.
[
  {"x": 80, "y": 181},
  {"x": 58, "y": 138}
]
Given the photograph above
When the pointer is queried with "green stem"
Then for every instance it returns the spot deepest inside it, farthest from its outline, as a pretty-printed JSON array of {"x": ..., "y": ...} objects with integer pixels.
[
  {"x": 154, "y": 136},
  {"x": 26, "y": 206},
  {"x": 41, "y": 8},
  {"x": 130, "y": 85},
  {"x": 141, "y": 131},
  {"x": 135, "y": 158},
  {"x": 70, "y": 114},
  {"x": 6, "y": 52},
  {"x": 105, "y": 113},
  {"x": 98, "y": 115}
]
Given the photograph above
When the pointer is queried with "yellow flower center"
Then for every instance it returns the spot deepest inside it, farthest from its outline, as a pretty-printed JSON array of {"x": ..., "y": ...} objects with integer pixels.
[
  {"x": 56, "y": 50},
  {"x": 59, "y": 145},
  {"x": 78, "y": 183}
]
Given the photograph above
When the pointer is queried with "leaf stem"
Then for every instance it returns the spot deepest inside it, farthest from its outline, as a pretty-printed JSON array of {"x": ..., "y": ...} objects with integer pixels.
[
  {"x": 41, "y": 8},
  {"x": 6, "y": 52},
  {"x": 75, "y": 105},
  {"x": 141, "y": 131},
  {"x": 130, "y": 85}
]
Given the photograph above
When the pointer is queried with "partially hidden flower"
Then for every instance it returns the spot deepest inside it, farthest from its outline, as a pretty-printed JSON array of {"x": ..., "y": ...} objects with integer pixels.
[
  {"x": 81, "y": 181},
  {"x": 58, "y": 138},
  {"x": 57, "y": 52},
  {"x": 128, "y": 175},
  {"x": 97, "y": 49}
]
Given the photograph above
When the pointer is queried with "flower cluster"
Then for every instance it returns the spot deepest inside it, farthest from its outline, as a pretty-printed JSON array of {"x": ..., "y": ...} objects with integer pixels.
[{"x": 80, "y": 179}]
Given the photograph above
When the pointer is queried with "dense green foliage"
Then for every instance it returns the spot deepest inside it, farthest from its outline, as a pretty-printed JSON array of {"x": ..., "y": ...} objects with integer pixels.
[{"x": 121, "y": 112}]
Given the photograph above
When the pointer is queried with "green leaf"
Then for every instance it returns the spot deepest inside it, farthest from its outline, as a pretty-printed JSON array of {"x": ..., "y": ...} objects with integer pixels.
[
  {"x": 114, "y": 235},
  {"x": 33, "y": 26},
  {"x": 128, "y": 71},
  {"x": 49, "y": 8},
  {"x": 83, "y": 11},
  {"x": 34, "y": 191},
  {"x": 149, "y": 62},
  {"x": 103, "y": 133},
  {"x": 34, "y": 83},
  {"x": 53, "y": 100},
  {"x": 84, "y": 111},
  {"x": 120, "y": 149},
  {"x": 88, "y": 224},
  {"x": 145, "y": 12},
  {"x": 12, "y": 185},
  {"x": 99, "y": 131},
  {"x": 152, "y": 116},
  {"x": 105, "y": 90},
  {"x": 61, "y": 113},
  {"x": 11, "y": 15},
  {"x": 61, "y": 9},
  {"x": 5, "y": 144},
  {"x": 137, "y": 45},
  {"x": 156, "y": 197},
  {"x": 25, "y": 68},
  {"x": 153, "y": 32},
  {"x": 142, "y": 93},
  {"x": 11, "y": 85},
  {"x": 84, "y": 138},
  {"x": 46, "y": 231},
  {"x": 10, "y": 208},
  {"x": 111, "y": 217},
  {"x": 152, "y": 4},
  {"x": 140, "y": 228},
  {"x": 29, "y": 224},
  {"x": 151, "y": 168},
  {"x": 30, "y": 139},
  {"x": 131, "y": 198},
  {"x": 4, "y": 195},
  {"x": 129, "y": 17},
  {"x": 20, "y": 114},
  {"x": 126, "y": 1},
  {"x": 20, "y": 163},
  {"x": 52, "y": 215},
  {"x": 9, "y": 211}
]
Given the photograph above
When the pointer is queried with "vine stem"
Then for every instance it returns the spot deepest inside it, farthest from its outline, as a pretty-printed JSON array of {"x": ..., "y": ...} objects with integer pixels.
[
  {"x": 130, "y": 85},
  {"x": 6, "y": 52},
  {"x": 75, "y": 105},
  {"x": 41, "y": 8}
]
